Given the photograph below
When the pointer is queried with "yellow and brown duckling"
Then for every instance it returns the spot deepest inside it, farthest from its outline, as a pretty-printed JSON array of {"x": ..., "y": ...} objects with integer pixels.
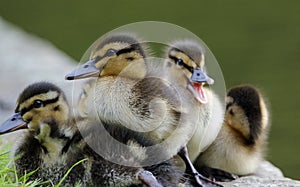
[
  {"x": 240, "y": 145},
  {"x": 165, "y": 173},
  {"x": 189, "y": 57},
  {"x": 49, "y": 142},
  {"x": 52, "y": 143},
  {"x": 122, "y": 94}
]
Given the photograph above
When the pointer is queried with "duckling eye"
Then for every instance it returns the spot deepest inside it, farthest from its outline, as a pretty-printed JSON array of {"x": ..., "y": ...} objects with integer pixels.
[
  {"x": 179, "y": 62},
  {"x": 37, "y": 104},
  {"x": 110, "y": 52}
]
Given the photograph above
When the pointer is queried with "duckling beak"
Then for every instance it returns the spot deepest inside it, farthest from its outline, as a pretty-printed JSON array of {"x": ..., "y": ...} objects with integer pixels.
[
  {"x": 199, "y": 78},
  {"x": 15, "y": 122},
  {"x": 87, "y": 69}
]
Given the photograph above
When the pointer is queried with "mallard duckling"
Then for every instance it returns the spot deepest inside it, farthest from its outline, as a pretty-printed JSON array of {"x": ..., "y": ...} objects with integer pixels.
[
  {"x": 240, "y": 144},
  {"x": 49, "y": 142},
  {"x": 126, "y": 94},
  {"x": 52, "y": 144},
  {"x": 123, "y": 95},
  {"x": 166, "y": 173},
  {"x": 189, "y": 56}
]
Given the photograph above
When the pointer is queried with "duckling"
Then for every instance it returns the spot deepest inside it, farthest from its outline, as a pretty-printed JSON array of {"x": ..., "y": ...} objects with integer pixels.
[
  {"x": 52, "y": 143},
  {"x": 189, "y": 57},
  {"x": 240, "y": 144},
  {"x": 166, "y": 173},
  {"x": 128, "y": 95},
  {"x": 49, "y": 141}
]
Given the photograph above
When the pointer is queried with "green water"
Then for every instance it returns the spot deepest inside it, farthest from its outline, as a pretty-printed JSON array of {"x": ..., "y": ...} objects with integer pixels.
[{"x": 255, "y": 42}]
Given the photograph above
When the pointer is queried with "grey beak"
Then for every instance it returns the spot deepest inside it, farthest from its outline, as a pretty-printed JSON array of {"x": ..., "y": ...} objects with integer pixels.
[
  {"x": 199, "y": 76},
  {"x": 15, "y": 122},
  {"x": 87, "y": 69}
]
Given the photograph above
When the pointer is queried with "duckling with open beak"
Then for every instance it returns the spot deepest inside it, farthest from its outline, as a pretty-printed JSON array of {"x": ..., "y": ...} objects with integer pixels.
[{"x": 189, "y": 57}]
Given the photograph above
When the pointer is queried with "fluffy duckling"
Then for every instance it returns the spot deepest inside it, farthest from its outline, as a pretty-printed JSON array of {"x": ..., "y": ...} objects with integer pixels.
[
  {"x": 189, "y": 57},
  {"x": 128, "y": 95},
  {"x": 240, "y": 144},
  {"x": 52, "y": 144},
  {"x": 165, "y": 173}
]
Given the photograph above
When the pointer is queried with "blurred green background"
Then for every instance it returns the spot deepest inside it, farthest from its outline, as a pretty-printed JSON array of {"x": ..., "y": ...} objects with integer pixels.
[{"x": 255, "y": 42}]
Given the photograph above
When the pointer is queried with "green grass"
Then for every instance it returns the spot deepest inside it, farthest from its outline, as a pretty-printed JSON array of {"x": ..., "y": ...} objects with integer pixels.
[{"x": 10, "y": 178}]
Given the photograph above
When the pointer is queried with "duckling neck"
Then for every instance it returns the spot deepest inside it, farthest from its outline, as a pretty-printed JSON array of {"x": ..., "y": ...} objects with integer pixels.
[{"x": 55, "y": 139}]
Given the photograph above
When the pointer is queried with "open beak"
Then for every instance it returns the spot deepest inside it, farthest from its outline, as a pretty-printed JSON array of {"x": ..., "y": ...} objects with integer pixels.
[
  {"x": 199, "y": 78},
  {"x": 87, "y": 69},
  {"x": 15, "y": 122}
]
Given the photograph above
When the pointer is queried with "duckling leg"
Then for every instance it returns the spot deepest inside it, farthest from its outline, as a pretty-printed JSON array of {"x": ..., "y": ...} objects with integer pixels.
[
  {"x": 148, "y": 179},
  {"x": 217, "y": 174},
  {"x": 200, "y": 180}
]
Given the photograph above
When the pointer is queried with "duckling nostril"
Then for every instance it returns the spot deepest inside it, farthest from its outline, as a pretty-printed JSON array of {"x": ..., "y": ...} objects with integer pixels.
[
  {"x": 13, "y": 119},
  {"x": 86, "y": 66}
]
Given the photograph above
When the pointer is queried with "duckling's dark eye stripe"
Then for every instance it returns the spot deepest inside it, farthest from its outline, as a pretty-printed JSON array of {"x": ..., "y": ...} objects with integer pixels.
[
  {"x": 190, "y": 68},
  {"x": 122, "y": 51},
  {"x": 126, "y": 50},
  {"x": 46, "y": 102}
]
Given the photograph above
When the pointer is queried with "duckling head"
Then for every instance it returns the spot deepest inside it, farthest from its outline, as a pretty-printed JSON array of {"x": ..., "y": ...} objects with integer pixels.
[
  {"x": 38, "y": 102},
  {"x": 111, "y": 56},
  {"x": 189, "y": 57},
  {"x": 246, "y": 112}
]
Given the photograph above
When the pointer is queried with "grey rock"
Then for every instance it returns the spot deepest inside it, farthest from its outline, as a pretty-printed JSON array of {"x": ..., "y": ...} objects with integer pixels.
[
  {"x": 267, "y": 175},
  {"x": 25, "y": 59}
]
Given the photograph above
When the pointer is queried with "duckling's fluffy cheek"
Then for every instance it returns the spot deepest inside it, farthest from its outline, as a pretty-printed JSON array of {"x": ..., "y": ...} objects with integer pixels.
[
  {"x": 187, "y": 73},
  {"x": 114, "y": 67},
  {"x": 62, "y": 114},
  {"x": 35, "y": 116},
  {"x": 239, "y": 122}
]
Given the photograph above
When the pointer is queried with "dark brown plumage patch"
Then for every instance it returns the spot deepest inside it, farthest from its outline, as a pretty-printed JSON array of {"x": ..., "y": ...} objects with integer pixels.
[
  {"x": 27, "y": 155},
  {"x": 248, "y": 99},
  {"x": 56, "y": 108},
  {"x": 129, "y": 58},
  {"x": 149, "y": 89}
]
